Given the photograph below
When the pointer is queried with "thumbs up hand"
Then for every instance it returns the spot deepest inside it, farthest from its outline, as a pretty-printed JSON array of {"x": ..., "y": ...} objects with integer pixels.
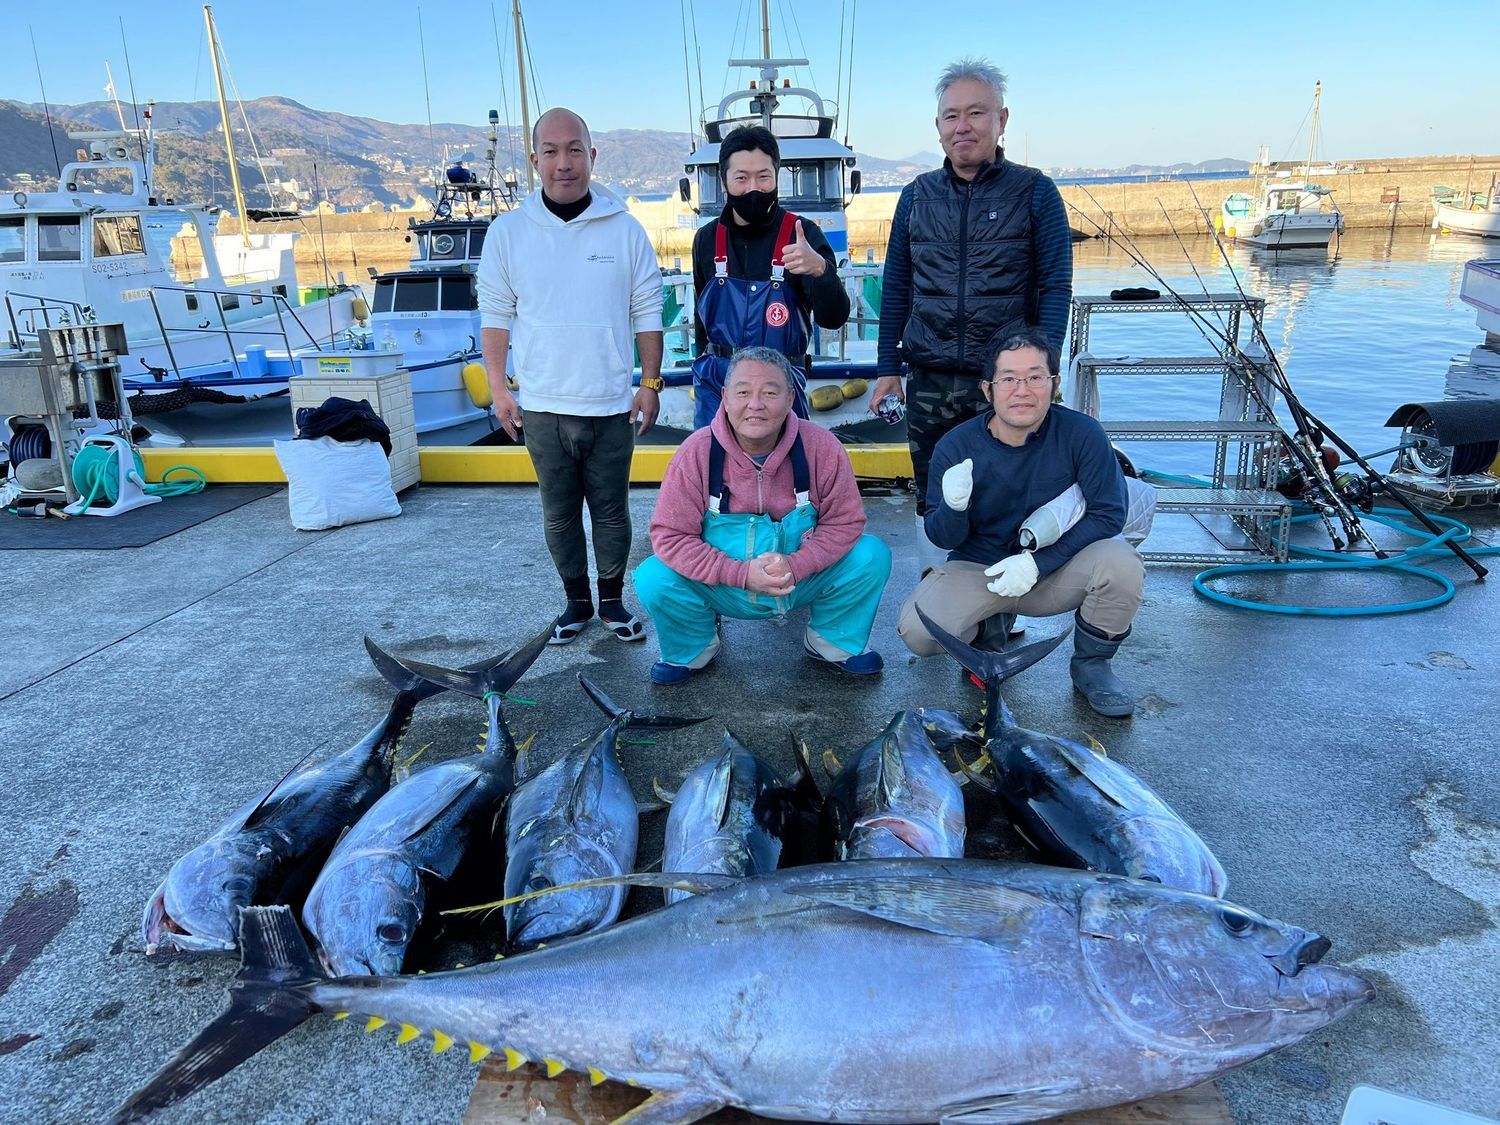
[{"x": 800, "y": 258}]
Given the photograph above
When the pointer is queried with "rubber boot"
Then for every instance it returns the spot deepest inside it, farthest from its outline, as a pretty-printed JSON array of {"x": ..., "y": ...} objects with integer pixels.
[
  {"x": 994, "y": 632},
  {"x": 1092, "y": 675}
]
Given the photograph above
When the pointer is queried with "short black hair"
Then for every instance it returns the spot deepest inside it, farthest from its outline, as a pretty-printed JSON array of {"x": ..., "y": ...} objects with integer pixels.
[
  {"x": 1028, "y": 337},
  {"x": 751, "y": 138}
]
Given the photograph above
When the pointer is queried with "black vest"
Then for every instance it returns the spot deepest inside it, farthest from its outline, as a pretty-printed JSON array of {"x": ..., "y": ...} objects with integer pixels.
[{"x": 973, "y": 269}]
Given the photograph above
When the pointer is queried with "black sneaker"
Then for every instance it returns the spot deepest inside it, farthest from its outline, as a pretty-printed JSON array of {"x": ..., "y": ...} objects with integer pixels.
[{"x": 575, "y": 616}]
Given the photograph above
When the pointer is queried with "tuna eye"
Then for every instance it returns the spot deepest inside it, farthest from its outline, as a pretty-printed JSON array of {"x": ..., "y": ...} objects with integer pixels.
[
  {"x": 392, "y": 932},
  {"x": 1151, "y": 878},
  {"x": 1234, "y": 921},
  {"x": 538, "y": 883}
]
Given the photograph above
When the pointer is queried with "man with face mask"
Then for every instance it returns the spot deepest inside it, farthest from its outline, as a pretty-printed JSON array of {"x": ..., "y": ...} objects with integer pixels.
[{"x": 762, "y": 275}]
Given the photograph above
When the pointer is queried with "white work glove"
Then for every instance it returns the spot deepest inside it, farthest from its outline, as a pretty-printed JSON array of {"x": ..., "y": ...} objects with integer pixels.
[
  {"x": 1013, "y": 576},
  {"x": 958, "y": 485}
]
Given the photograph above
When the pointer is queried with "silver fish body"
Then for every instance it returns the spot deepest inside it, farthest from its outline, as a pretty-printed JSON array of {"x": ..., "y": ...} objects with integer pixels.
[
  {"x": 575, "y": 820},
  {"x": 272, "y": 843},
  {"x": 895, "y": 798},
  {"x": 795, "y": 995},
  {"x": 727, "y": 817}
]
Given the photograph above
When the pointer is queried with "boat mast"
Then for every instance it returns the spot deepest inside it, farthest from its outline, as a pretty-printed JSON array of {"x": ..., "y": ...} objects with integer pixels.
[
  {"x": 1312, "y": 132},
  {"x": 765, "y": 29},
  {"x": 234, "y": 168},
  {"x": 515, "y": 14}
]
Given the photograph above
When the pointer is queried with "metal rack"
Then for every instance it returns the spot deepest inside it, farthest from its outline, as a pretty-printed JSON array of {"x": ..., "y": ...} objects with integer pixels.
[{"x": 1245, "y": 437}]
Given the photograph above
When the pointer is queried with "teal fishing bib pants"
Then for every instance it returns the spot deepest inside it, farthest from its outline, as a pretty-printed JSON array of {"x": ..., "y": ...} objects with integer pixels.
[{"x": 844, "y": 597}]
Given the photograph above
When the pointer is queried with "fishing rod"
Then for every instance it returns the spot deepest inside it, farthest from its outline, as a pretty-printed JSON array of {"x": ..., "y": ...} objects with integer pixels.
[
  {"x": 1312, "y": 462},
  {"x": 1321, "y": 491},
  {"x": 1375, "y": 478}
]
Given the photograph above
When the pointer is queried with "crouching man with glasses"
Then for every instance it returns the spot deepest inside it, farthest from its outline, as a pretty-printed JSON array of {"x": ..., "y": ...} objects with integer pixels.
[{"x": 988, "y": 475}]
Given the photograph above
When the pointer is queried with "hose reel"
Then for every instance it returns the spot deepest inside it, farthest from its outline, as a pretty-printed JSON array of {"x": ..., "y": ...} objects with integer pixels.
[{"x": 1451, "y": 438}]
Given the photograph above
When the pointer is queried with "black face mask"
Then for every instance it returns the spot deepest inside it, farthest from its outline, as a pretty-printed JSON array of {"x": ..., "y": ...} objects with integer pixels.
[{"x": 753, "y": 207}]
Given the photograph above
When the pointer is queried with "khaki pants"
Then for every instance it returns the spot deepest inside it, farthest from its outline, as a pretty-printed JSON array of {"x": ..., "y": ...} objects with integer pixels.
[{"x": 1103, "y": 582}]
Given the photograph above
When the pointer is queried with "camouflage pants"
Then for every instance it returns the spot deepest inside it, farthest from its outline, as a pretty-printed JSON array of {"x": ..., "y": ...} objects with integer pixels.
[{"x": 936, "y": 401}]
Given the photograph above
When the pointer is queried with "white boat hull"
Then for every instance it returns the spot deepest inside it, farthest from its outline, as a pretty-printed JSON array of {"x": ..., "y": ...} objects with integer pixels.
[
  {"x": 1459, "y": 220},
  {"x": 1480, "y": 290},
  {"x": 1286, "y": 231}
]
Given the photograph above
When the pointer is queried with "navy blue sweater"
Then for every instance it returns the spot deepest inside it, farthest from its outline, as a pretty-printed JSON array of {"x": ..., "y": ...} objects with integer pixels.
[
  {"x": 1052, "y": 247},
  {"x": 1011, "y": 482}
]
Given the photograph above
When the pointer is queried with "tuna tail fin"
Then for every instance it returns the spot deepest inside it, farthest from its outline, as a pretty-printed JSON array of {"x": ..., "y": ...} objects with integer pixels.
[
  {"x": 499, "y": 673},
  {"x": 268, "y": 999},
  {"x": 626, "y": 717},
  {"x": 992, "y": 668},
  {"x": 806, "y": 786}
]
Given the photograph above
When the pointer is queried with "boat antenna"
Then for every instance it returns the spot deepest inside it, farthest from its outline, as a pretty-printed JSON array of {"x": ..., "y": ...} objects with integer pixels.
[
  {"x": 37, "y": 58},
  {"x": 234, "y": 167},
  {"x": 515, "y": 19},
  {"x": 687, "y": 78},
  {"x": 510, "y": 133},
  {"x": 849, "y": 97},
  {"x": 427, "y": 92},
  {"x": 109, "y": 88},
  {"x": 135, "y": 105}
]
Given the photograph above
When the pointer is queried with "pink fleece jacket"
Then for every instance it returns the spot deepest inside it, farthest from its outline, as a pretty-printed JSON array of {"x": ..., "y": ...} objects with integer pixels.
[{"x": 677, "y": 523}]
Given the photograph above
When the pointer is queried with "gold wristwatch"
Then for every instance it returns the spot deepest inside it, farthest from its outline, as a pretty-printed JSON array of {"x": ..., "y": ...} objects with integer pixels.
[{"x": 652, "y": 383}]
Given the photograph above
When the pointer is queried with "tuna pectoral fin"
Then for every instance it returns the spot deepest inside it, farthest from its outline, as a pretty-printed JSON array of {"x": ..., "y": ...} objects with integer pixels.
[
  {"x": 1007, "y": 1109},
  {"x": 1110, "y": 778},
  {"x": 678, "y": 1107},
  {"x": 265, "y": 1003},
  {"x": 954, "y": 907}
]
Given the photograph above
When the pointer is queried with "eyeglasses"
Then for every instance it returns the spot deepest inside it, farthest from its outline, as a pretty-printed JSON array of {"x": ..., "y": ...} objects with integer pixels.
[{"x": 1009, "y": 384}]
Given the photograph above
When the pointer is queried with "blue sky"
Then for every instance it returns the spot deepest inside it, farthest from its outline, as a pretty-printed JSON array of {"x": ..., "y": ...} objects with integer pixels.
[{"x": 1091, "y": 83}]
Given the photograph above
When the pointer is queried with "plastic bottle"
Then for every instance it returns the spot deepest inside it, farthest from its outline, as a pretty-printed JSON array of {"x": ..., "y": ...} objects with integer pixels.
[{"x": 388, "y": 340}]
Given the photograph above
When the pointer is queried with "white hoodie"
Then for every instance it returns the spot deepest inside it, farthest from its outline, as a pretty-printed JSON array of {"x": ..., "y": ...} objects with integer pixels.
[{"x": 573, "y": 296}]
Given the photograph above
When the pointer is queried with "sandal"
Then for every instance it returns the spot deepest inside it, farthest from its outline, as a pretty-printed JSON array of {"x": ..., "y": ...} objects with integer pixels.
[
  {"x": 626, "y": 628},
  {"x": 574, "y": 620}
]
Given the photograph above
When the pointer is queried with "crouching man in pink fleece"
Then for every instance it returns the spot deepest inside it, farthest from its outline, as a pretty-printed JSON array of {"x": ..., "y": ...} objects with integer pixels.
[{"x": 759, "y": 514}]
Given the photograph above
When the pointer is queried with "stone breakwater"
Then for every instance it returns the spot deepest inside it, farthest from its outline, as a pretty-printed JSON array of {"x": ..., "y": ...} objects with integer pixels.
[{"x": 1375, "y": 193}]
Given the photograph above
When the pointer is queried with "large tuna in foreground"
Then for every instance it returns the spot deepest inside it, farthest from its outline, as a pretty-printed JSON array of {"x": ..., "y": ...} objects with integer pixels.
[
  {"x": 879, "y": 990},
  {"x": 1075, "y": 806}
]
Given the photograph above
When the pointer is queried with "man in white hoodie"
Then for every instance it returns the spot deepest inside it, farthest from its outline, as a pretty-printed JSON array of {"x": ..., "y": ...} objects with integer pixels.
[{"x": 569, "y": 278}]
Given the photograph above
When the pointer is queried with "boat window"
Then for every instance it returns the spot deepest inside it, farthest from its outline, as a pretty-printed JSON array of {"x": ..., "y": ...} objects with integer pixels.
[
  {"x": 117, "y": 234},
  {"x": 12, "y": 240},
  {"x": 416, "y": 294},
  {"x": 799, "y": 182},
  {"x": 709, "y": 199},
  {"x": 57, "y": 239},
  {"x": 458, "y": 294},
  {"x": 833, "y": 180},
  {"x": 174, "y": 237},
  {"x": 385, "y": 294},
  {"x": 476, "y": 241},
  {"x": 448, "y": 245}
]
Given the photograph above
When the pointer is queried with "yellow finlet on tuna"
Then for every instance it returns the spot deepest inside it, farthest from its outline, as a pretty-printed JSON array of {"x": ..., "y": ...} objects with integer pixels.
[
  {"x": 514, "y": 1058},
  {"x": 440, "y": 1042},
  {"x": 408, "y": 1033},
  {"x": 596, "y": 1076},
  {"x": 478, "y": 1052},
  {"x": 554, "y": 1068},
  {"x": 340, "y": 1015},
  {"x": 375, "y": 1023}
]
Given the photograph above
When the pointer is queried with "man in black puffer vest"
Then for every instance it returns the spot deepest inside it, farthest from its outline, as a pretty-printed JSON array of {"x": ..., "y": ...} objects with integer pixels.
[{"x": 979, "y": 250}]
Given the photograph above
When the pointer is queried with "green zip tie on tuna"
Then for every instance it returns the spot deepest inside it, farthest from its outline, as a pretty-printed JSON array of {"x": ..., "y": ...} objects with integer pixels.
[{"x": 503, "y": 698}]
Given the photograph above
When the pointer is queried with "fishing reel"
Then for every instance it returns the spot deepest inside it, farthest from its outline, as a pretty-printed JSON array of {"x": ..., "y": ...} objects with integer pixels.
[{"x": 1293, "y": 481}]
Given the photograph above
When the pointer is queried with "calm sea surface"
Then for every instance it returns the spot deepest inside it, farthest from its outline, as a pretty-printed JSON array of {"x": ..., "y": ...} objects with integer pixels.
[{"x": 1359, "y": 334}]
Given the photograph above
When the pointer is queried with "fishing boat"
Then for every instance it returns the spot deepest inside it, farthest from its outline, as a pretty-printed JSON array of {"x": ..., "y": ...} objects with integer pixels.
[
  {"x": 1468, "y": 212},
  {"x": 1480, "y": 289},
  {"x": 816, "y": 182},
  {"x": 1286, "y": 214}
]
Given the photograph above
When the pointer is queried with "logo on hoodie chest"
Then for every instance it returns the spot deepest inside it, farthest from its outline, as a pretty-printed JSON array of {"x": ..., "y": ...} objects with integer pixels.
[{"x": 601, "y": 259}]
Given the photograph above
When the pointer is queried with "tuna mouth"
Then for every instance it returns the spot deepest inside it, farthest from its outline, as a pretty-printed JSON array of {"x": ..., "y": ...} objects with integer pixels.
[{"x": 1309, "y": 951}]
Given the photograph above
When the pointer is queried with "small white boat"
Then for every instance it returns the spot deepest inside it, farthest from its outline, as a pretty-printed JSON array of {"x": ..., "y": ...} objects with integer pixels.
[
  {"x": 1480, "y": 289},
  {"x": 1467, "y": 212},
  {"x": 1285, "y": 216}
]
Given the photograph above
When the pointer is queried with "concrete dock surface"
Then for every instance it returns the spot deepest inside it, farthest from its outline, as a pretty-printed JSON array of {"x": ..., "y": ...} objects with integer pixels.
[{"x": 1343, "y": 770}]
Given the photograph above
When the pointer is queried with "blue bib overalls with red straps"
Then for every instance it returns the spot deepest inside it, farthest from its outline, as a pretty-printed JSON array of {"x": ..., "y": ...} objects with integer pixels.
[{"x": 737, "y": 313}]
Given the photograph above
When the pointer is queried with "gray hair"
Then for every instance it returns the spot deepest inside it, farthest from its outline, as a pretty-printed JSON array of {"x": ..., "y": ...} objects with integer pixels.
[
  {"x": 769, "y": 356},
  {"x": 980, "y": 70}
]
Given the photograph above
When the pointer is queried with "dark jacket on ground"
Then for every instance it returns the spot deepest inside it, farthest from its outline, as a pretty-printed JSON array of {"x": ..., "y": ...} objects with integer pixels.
[
  {"x": 750, "y": 251},
  {"x": 971, "y": 261}
]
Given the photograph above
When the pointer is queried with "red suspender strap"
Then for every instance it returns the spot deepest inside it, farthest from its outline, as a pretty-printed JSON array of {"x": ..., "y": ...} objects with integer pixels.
[{"x": 784, "y": 237}]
